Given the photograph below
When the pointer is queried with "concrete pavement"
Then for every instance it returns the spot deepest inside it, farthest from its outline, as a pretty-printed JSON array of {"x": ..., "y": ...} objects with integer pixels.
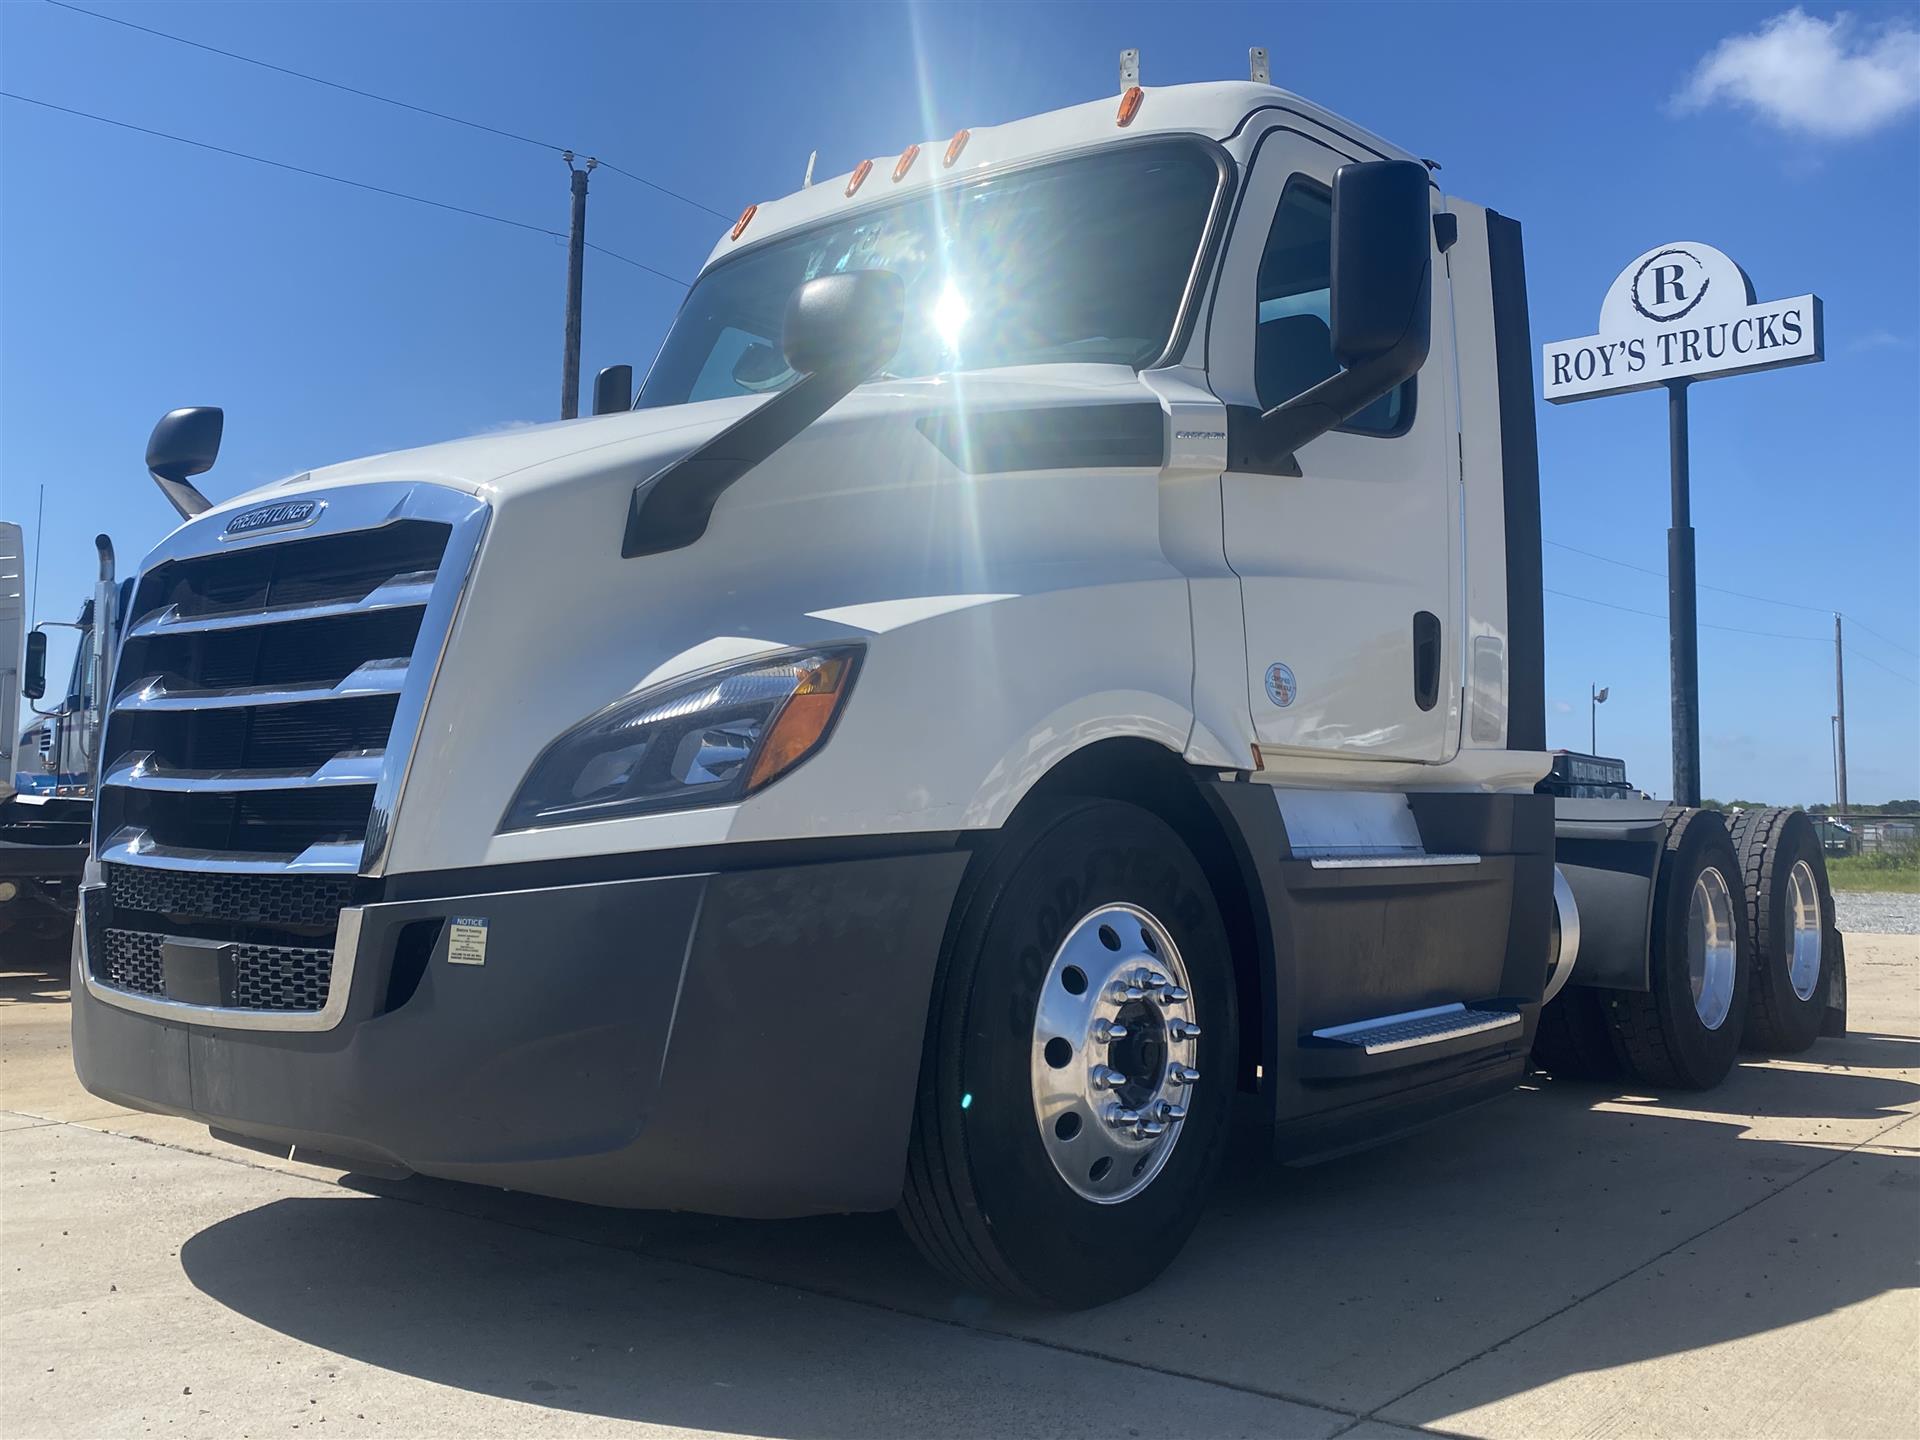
[{"x": 1564, "y": 1260}]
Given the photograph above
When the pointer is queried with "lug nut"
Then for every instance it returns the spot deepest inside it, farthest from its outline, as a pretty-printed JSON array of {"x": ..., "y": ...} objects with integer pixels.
[
  {"x": 1105, "y": 1077},
  {"x": 1182, "y": 1074},
  {"x": 1147, "y": 1129},
  {"x": 1172, "y": 995},
  {"x": 1183, "y": 1030},
  {"x": 1154, "y": 980},
  {"x": 1122, "y": 991},
  {"x": 1171, "y": 1112},
  {"x": 1105, "y": 1032},
  {"x": 1122, "y": 1118}
]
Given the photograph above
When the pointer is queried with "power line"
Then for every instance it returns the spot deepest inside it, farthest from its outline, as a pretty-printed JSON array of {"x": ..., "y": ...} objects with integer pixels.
[
  {"x": 1740, "y": 594},
  {"x": 1863, "y": 655},
  {"x": 1730, "y": 629},
  {"x": 334, "y": 179},
  {"x": 381, "y": 99}
]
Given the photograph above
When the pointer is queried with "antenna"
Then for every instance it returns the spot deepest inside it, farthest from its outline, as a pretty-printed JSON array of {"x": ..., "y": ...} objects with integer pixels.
[
  {"x": 1129, "y": 70},
  {"x": 806, "y": 180},
  {"x": 1257, "y": 65}
]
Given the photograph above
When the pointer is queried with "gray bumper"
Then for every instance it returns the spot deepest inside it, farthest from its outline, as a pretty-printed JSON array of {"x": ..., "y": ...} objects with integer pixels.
[{"x": 739, "y": 1042}]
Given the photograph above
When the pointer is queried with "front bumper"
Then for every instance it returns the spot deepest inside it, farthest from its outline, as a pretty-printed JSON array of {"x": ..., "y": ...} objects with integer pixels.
[{"x": 738, "y": 1042}]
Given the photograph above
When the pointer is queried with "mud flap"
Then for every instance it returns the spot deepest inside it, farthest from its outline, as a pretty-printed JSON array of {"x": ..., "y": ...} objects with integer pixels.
[{"x": 1834, "y": 1021}]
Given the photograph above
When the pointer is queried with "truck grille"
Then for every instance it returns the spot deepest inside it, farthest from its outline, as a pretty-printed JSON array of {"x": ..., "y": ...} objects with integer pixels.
[
  {"x": 255, "y": 692},
  {"x": 258, "y": 693}
]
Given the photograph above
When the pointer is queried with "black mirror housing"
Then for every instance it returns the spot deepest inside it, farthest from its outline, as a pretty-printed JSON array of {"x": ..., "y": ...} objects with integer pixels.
[
  {"x": 1381, "y": 306},
  {"x": 613, "y": 390},
  {"x": 33, "y": 677},
  {"x": 1380, "y": 309},
  {"x": 845, "y": 325},
  {"x": 839, "y": 329},
  {"x": 186, "y": 442}
]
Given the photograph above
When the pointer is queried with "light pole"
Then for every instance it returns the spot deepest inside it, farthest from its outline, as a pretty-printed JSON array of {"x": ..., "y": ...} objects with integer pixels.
[{"x": 1595, "y": 699}]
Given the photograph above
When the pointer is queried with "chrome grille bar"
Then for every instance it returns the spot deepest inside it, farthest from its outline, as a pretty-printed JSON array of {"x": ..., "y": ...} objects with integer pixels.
[
  {"x": 400, "y": 593},
  {"x": 160, "y": 692},
  {"x": 131, "y": 846},
  {"x": 354, "y": 767}
]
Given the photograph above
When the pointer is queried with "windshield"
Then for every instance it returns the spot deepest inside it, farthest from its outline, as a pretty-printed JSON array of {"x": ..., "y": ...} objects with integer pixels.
[{"x": 1081, "y": 260}]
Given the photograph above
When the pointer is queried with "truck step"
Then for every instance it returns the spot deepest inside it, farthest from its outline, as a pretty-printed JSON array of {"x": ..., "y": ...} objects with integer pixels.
[{"x": 1414, "y": 1037}]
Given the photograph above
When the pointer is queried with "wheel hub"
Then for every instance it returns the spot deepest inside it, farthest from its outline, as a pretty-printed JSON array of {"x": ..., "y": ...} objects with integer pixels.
[
  {"x": 1803, "y": 900},
  {"x": 1712, "y": 951},
  {"x": 1115, "y": 1053}
]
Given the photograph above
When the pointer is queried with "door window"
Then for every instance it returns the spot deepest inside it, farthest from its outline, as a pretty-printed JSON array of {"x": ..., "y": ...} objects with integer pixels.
[{"x": 1293, "y": 344}]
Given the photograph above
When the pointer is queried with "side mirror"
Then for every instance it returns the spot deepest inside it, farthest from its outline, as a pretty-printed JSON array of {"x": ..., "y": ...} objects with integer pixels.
[
  {"x": 839, "y": 329},
  {"x": 613, "y": 390},
  {"x": 845, "y": 326},
  {"x": 1381, "y": 304},
  {"x": 33, "y": 679},
  {"x": 185, "y": 443}
]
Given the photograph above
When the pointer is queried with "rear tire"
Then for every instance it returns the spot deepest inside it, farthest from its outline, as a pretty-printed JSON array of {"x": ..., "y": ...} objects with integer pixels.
[
  {"x": 991, "y": 1200},
  {"x": 1684, "y": 1031},
  {"x": 1789, "y": 914}
]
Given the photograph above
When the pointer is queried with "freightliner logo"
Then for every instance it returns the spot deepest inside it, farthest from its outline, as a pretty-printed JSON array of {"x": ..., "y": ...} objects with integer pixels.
[{"x": 280, "y": 515}]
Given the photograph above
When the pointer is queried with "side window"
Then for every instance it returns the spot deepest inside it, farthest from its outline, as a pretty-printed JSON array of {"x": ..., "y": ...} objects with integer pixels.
[{"x": 1293, "y": 346}]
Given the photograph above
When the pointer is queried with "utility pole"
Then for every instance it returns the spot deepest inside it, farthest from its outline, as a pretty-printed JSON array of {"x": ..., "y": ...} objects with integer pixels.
[
  {"x": 1683, "y": 637},
  {"x": 576, "y": 264},
  {"x": 1839, "y": 718}
]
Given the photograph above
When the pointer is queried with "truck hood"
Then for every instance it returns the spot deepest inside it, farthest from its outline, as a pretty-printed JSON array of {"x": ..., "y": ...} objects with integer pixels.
[{"x": 501, "y": 463}]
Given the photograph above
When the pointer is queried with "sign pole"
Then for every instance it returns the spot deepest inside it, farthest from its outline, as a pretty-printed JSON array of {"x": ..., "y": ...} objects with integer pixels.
[{"x": 1683, "y": 636}]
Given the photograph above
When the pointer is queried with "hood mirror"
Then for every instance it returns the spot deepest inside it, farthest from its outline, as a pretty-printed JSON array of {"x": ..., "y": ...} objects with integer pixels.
[
  {"x": 613, "y": 390},
  {"x": 185, "y": 443}
]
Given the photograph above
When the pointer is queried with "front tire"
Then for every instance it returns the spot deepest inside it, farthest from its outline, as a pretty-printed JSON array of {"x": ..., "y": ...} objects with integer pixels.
[{"x": 1055, "y": 1162}]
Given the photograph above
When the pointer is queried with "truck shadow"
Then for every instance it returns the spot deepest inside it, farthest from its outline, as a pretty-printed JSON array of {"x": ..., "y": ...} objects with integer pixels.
[{"x": 1347, "y": 1285}]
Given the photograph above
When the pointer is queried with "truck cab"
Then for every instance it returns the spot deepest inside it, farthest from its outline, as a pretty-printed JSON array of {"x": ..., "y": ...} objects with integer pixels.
[{"x": 1050, "y": 663}]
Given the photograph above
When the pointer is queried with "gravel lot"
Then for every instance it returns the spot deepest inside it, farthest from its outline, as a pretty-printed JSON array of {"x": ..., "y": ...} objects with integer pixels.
[{"x": 1877, "y": 912}]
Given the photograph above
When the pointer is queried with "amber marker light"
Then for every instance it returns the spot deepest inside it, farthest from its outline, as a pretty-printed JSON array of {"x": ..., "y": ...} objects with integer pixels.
[
  {"x": 859, "y": 176},
  {"x": 1129, "y": 106},
  {"x": 804, "y": 720},
  {"x": 905, "y": 162},
  {"x": 954, "y": 147},
  {"x": 746, "y": 219}
]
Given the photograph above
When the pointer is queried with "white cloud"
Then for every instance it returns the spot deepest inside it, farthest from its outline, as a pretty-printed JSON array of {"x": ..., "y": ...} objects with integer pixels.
[
  {"x": 1877, "y": 340},
  {"x": 1832, "y": 79}
]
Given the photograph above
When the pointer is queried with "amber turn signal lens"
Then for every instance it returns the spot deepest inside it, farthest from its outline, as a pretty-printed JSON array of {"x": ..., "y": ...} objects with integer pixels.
[
  {"x": 803, "y": 721},
  {"x": 746, "y": 218},
  {"x": 955, "y": 146},
  {"x": 859, "y": 177},
  {"x": 905, "y": 162},
  {"x": 1129, "y": 105}
]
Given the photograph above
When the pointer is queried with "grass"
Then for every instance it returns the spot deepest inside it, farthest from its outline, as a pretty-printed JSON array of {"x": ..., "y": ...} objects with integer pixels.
[{"x": 1874, "y": 872}]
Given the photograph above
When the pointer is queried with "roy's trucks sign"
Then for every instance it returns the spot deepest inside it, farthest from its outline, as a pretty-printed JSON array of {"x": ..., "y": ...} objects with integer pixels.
[{"x": 1681, "y": 312}]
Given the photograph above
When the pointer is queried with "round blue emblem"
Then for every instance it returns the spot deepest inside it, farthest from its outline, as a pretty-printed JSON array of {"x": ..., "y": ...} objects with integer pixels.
[{"x": 1280, "y": 686}]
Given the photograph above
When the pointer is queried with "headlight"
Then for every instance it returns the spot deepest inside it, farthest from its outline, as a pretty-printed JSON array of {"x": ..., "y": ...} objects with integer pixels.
[{"x": 708, "y": 739}]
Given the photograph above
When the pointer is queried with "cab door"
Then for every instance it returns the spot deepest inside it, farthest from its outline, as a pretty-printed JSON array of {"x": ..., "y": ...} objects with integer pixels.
[{"x": 1346, "y": 556}]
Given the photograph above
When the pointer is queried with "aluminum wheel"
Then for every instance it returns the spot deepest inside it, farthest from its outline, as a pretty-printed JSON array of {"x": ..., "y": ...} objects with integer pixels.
[
  {"x": 1115, "y": 1052},
  {"x": 1712, "y": 951},
  {"x": 1803, "y": 966}
]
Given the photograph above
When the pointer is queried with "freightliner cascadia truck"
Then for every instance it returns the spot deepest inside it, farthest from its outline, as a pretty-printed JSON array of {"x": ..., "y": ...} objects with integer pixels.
[{"x": 1049, "y": 663}]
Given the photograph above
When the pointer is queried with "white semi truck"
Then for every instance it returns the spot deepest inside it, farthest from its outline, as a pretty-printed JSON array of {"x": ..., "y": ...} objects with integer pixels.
[{"x": 1052, "y": 658}]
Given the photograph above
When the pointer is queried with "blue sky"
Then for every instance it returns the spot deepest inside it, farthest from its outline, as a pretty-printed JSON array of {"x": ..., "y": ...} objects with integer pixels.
[{"x": 138, "y": 274}]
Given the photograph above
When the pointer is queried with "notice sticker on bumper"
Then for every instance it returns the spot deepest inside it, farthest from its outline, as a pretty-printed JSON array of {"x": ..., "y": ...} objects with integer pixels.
[{"x": 467, "y": 940}]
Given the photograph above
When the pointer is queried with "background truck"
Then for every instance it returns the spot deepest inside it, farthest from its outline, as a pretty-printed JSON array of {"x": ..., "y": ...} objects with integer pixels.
[
  {"x": 1052, "y": 658},
  {"x": 46, "y": 788}
]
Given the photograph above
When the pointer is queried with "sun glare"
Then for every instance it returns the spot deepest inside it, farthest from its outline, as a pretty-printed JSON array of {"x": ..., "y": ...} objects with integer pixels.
[{"x": 950, "y": 314}]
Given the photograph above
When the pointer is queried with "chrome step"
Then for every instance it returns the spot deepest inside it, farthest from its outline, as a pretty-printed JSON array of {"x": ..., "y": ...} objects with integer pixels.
[{"x": 1408, "y": 1038}]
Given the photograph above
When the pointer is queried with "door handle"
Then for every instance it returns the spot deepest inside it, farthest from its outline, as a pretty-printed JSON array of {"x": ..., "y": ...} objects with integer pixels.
[{"x": 1426, "y": 659}]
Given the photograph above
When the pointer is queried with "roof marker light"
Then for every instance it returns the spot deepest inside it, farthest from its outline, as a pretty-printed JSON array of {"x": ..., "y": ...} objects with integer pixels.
[
  {"x": 905, "y": 162},
  {"x": 1129, "y": 106},
  {"x": 954, "y": 147},
  {"x": 746, "y": 219},
  {"x": 859, "y": 176}
]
